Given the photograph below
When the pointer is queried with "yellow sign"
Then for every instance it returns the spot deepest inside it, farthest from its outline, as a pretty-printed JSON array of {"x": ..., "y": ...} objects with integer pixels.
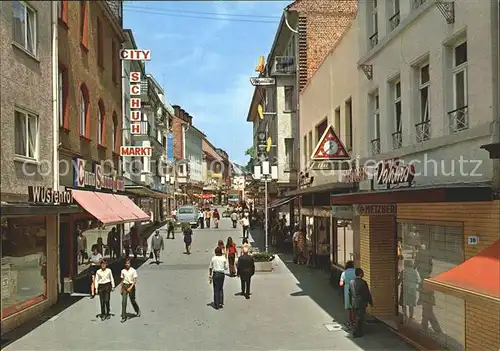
[
  {"x": 260, "y": 66},
  {"x": 260, "y": 112},
  {"x": 268, "y": 144}
]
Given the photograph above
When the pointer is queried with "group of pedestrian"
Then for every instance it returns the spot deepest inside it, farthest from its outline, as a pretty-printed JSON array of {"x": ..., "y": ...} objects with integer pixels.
[
  {"x": 357, "y": 297},
  {"x": 205, "y": 217},
  {"x": 104, "y": 284},
  {"x": 224, "y": 260}
]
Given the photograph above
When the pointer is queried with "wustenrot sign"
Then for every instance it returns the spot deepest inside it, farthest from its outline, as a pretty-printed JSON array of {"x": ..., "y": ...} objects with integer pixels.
[{"x": 138, "y": 126}]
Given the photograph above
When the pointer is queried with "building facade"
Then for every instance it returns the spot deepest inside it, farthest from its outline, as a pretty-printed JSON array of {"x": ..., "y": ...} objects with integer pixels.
[
  {"x": 29, "y": 232},
  {"x": 194, "y": 153}
]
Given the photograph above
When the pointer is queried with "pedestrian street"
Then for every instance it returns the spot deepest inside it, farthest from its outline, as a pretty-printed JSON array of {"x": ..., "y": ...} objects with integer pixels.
[{"x": 283, "y": 313}]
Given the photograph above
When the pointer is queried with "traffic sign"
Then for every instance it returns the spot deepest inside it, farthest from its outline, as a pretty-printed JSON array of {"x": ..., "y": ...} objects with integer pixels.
[
  {"x": 259, "y": 81},
  {"x": 330, "y": 147}
]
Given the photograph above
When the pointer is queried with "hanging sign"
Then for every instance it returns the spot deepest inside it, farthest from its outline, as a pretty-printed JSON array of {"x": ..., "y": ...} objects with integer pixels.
[
  {"x": 260, "y": 81},
  {"x": 95, "y": 179},
  {"x": 329, "y": 147},
  {"x": 355, "y": 175}
]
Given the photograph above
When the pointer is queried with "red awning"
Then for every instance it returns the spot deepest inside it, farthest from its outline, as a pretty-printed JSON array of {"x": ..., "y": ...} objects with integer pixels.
[
  {"x": 479, "y": 275},
  {"x": 117, "y": 207},
  {"x": 207, "y": 196},
  {"x": 140, "y": 214},
  {"x": 93, "y": 205}
]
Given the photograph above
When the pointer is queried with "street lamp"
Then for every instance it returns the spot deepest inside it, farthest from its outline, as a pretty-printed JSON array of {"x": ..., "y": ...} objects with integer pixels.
[{"x": 266, "y": 173}]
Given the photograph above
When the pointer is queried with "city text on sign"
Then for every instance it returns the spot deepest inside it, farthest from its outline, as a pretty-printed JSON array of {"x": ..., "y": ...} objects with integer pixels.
[
  {"x": 95, "y": 179},
  {"x": 136, "y": 151},
  {"x": 43, "y": 195},
  {"x": 377, "y": 210},
  {"x": 135, "y": 55}
]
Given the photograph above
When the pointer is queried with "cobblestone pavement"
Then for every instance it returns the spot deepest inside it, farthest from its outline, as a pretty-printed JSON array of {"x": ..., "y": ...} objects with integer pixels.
[{"x": 284, "y": 312}]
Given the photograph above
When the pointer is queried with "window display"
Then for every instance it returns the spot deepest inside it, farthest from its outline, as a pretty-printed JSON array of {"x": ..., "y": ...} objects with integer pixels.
[
  {"x": 323, "y": 230},
  {"x": 345, "y": 242},
  {"x": 24, "y": 263},
  {"x": 425, "y": 250}
]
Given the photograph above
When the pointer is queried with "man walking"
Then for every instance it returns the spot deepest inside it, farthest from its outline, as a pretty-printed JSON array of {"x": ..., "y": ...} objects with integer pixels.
[
  {"x": 360, "y": 297},
  {"x": 129, "y": 281},
  {"x": 170, "y": 230},
  {"x": 157, "y": 245},
  {"x": 234, "y": 218},
  {"x": 246, "y": 269},
  {"x": 245, "y": 223}
]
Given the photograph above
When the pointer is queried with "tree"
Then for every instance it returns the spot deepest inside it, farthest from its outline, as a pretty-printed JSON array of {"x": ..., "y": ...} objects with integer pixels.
[{"x": 251, "y": 154}]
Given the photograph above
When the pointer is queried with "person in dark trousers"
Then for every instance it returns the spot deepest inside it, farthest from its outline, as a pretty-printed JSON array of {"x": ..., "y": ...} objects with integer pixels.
[
  {"x": 157, "y": 245},
  {"x": 245, "y": 223},
  {"x": 246, "y": 269},
  {"x": 216, "y": 216},
  {"x": 135, "y": 240},
  {"x": 129, "y": 281},
  {"x": 360, "y": 298},
  {"x": 104, "y": 284},
  {"x": 188, "y": 238},
  {"x": 170, "y": 230},
  {"x": 231, "y": 252},
  {"x": 216, "y": 275}
]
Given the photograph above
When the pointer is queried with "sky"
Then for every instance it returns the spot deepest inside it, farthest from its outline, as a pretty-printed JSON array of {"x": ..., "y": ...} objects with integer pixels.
[{"x": 203, "y": 54}]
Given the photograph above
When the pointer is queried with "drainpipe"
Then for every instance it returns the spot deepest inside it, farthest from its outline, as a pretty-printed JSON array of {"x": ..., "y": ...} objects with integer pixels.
[
  {"x": 55, "y": 127},
  {"x": 496, "y": 97}
]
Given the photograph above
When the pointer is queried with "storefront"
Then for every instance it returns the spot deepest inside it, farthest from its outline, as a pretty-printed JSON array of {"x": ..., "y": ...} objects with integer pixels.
[
  {"x": 29, "y": 254},
  {"x": 409, "y": 237},
  {"x": 104, "y": 209}
]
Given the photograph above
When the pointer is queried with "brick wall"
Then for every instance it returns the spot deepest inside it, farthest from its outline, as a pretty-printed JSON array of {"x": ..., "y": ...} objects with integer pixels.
[
  {"x": 324, "y": 22},
  {"x": 378, "y": 260},
  {"x": 482, "y": 320},
  {"x": 177, "y": 132},
  {"x": 81, "y": 66}
]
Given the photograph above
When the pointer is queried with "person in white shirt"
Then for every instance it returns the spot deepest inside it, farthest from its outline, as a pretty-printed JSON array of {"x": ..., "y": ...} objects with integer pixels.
[
  {"x": 129, "y": 280},
  {"x": 104, "y": 284},
  {"x": 216, "y": 274},
  {"x": 245, "y": 223}
]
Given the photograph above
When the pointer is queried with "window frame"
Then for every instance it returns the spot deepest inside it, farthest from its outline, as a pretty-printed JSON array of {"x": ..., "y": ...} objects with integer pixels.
[
  {"x": 398, "y": 102},
  {"x": 114, "y": 62},
  {"x": 84, "y": 24},
  {"x": 348, "y": 125},
  {"x": 62, "y": 82},
  {"x": 36, "y": 152},
  {"x": 374, "y": 17},
  {"x": 288, "y": 101},
  {"x": 289, "y": 153},
  {"x": 101, "y": 124},
  {"x": 376, "y": 114},
  {"x": 115, "y": 134},
  {"x": 421, "y": 87},
  {"x": 84, "y": 103},
  {"x": 463, "y": 67},
  {"x": 100, "y": 43},
  {"x": 27, "y": 10}
]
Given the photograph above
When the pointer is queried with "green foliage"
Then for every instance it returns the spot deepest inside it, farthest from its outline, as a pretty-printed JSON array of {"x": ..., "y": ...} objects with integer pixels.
[
  {"x": 262, "y": 257},
  {"x": 250, "y": 152}
]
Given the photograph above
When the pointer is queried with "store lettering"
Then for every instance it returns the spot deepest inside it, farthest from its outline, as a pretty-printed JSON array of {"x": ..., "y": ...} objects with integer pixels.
[
  {"x": 392, "y": 172},
  {"x": 355, "y": 175},
  {"x": 43, "y": 195},
  {"x": 374, "y": 210},
  {"x": 95, "y": 179}
]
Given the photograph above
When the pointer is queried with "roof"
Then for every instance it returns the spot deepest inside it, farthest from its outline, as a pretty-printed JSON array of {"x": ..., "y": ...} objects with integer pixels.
[
  {"x": 197, "y": 130},
  {"x": 478, "y": 275},
  {"x": 209, "y": 149}
]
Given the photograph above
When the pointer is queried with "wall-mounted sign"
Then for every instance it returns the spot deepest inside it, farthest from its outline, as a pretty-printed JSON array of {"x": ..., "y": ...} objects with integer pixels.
[
  {"x": 46, "y": 196},
  {"x": 377, "y": 210},
  {"x": 473, "y": 240},
  {"x": 135, "y": 55},
  {"x": 393, "y": 172},
  {"x": 95, "y": 179},
  {"x": 322, "y": 165},
  {"x": 260, "y": 81},
  {"x": 329, "y": 147},
  {"x": 305, "y": 180},
  {"x": 355, "y": 175},
  {"x": 138, "y": 126}
]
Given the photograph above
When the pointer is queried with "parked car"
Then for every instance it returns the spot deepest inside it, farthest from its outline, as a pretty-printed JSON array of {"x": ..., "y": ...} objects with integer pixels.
[{"x": 188, "y": 214}]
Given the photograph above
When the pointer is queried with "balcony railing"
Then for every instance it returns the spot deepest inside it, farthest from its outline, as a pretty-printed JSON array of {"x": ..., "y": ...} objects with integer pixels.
[
  {"x": 284, "y": 65},
  {"x": 423, "y": 131},
  {"x": 415, "y": 4},
  {"x": 459, "y": 119},
  {"x": 375, "y": 146},
  {"x": 373, "y": 40},
  {"x": 397, "y": 140},
  {"x": 394, "y": 20}
]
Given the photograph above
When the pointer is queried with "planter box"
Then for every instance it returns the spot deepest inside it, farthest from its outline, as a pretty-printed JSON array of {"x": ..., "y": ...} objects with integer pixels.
[{"x": 264, "y": 266}]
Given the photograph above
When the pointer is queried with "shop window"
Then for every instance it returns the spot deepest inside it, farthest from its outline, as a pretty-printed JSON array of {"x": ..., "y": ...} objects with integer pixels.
[
  {"x": 345, "y": 242},
  {"x": 24, "y": 263},
  {"x": 426, "y": 250}
]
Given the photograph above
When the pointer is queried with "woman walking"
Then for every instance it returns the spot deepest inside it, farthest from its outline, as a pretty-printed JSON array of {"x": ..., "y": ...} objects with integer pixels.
[
  {"x": 104, "y": 284},
  {"x": 188, "y": 239},
  {"x": 94, "y": 260},
  {"x": 216, "y": 275},
  {"x": 231, "y": 251},
  {"x": 216, "y": 216}
]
